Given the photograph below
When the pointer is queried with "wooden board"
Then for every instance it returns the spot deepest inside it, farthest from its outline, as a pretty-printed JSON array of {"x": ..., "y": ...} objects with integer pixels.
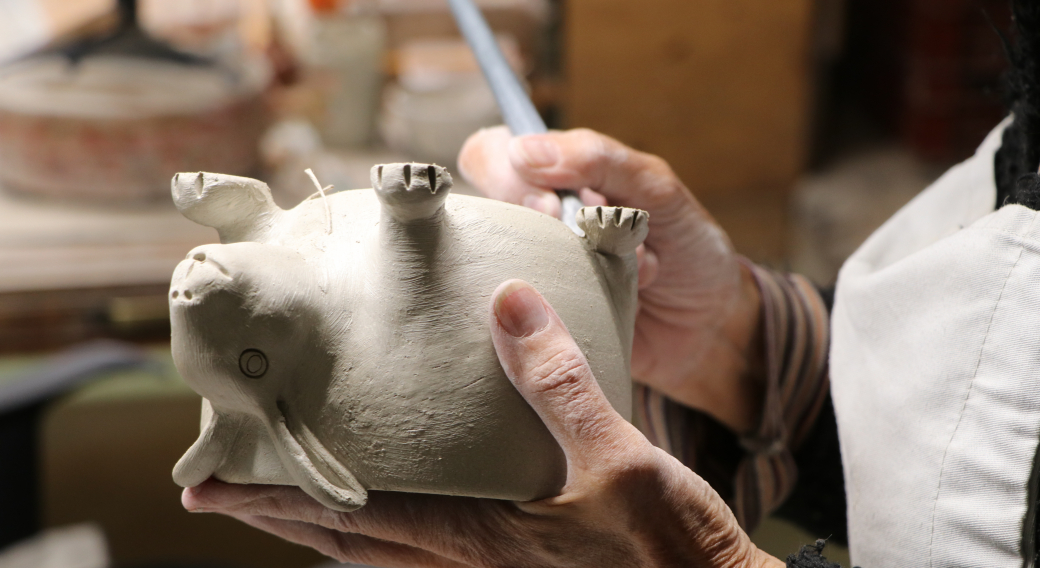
[
  {"x": 70, "y": 274},
  {"x": 719, "y": 88},
  {"x": 46, "y": 246}
]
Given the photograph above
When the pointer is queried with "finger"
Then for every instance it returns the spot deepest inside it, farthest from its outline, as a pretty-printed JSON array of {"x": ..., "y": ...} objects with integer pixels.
[
  {"x": 591, "y": 198},
  {"x": 484, "y": 163},
  {"x": 278, "y": 501},
  {"x": 427, "y": 522},
  {"x": 348, "y": 547},
  {"x": 543, "y": 361},
  {"x": 648, "y": 264},
  {"x": 586, "y": 159}
]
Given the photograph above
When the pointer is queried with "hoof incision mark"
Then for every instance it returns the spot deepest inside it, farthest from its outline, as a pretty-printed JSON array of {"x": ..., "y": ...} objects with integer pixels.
[
  {"x": 610, "y": 231},
  {"x": 402, "y": 189},
  {"x": 431, "y": 174}
]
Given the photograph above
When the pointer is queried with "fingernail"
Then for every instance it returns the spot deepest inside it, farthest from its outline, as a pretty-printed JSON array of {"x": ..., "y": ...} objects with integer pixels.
[
  {"x": 520, "y": 310},
  {"x": 538, "y": 152}
]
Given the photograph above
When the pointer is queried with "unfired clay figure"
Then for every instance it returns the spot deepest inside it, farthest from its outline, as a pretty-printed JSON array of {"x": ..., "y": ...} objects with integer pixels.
[{"x": 345, "y": 345}]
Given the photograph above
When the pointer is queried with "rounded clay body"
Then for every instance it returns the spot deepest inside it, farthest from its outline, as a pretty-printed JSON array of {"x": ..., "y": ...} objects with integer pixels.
[{"x": 344, "y": 345}]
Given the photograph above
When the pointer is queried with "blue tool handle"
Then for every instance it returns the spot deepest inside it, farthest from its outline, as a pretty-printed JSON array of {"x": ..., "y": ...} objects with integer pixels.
[{"x": 517, "y": 109}]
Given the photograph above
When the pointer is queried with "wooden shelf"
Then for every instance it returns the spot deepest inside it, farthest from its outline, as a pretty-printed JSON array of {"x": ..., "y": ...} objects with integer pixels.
[{"x": 74, "y": 273}]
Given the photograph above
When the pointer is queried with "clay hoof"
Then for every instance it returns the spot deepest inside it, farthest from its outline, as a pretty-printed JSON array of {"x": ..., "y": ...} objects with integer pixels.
[
  {"x": 235, "y": 206},
  {"x": 614, "y": 230},
  {"x": 411, "y": 192}
]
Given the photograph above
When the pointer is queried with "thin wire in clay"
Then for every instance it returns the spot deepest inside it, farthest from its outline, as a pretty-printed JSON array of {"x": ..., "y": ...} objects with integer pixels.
[{"x": 328, "y": 210}]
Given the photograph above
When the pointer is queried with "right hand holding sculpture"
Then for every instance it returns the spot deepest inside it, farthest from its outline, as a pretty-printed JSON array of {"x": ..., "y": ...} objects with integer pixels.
[
  {"x": 624, "y": 503},
  {"x": 697, "y": 334}
]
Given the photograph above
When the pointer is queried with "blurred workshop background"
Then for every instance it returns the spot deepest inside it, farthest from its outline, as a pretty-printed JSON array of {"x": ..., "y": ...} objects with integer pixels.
[{"x": 800, "y": 124}]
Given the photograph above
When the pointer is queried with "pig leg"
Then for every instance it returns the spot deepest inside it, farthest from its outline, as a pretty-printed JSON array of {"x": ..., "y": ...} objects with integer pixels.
[
  {"x": 312, "y": 467},
  {"x": 209, "y": 451},
  {"x": 239, "y": 208},
  {"x": 411, "y": 192},
  {"x": 615, "y": 231}
]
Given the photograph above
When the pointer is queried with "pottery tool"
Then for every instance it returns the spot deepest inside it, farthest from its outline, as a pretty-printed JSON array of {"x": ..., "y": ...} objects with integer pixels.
[{"x": 517, "y": 108}]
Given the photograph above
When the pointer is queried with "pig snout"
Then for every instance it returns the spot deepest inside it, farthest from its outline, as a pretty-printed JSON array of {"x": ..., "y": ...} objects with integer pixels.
[{"x": 198, "y": 275}]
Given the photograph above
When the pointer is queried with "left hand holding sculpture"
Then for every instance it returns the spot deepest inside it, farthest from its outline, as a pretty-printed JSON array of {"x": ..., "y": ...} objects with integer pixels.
[{"x": 625, "y": 502}]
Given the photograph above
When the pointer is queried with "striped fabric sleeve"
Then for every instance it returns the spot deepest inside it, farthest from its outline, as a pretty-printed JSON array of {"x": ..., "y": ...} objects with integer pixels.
[{"x": 756, "y": 473}]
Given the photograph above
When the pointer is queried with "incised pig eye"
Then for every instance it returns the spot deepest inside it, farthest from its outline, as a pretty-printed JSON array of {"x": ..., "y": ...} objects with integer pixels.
[{"x": 252, "y": 363}]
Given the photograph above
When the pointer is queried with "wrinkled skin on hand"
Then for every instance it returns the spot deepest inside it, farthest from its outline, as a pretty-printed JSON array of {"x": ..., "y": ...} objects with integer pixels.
[
  {"x": 625, "y": 502},
  {"x": 697, "y": 334}
]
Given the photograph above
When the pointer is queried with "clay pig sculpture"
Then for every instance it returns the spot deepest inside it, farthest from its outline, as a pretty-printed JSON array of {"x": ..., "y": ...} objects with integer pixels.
[{"x": 345, "y": 345}]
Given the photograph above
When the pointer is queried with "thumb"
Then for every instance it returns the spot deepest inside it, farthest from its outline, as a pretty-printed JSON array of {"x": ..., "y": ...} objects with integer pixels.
[{"x": 551, "y": 373}]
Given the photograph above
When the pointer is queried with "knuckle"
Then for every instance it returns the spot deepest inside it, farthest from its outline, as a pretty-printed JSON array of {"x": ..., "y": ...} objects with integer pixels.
[
  {"x": 638, "y": 465},
  {"x": 597, "y": 151},
  {"x": 659, "y": 174},
  {"x": 658, "y": 166},
  {"x": 601, "y": 156},
  {"x": 566, "y": 371},
  {"x": 342, "y": 552},
  {"x": 268, "y": 505},
  {"x": 587, "y": 137},
  {"x": 351, "y": 551},
  {"x": 636, "y": 472},
  {"x": 336, "y": 520}
]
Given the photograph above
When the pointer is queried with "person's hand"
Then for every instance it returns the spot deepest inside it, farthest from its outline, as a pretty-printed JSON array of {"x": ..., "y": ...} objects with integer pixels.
[
  {"x": 697, "y": 333},
  {"x": 625, "y": 502}
]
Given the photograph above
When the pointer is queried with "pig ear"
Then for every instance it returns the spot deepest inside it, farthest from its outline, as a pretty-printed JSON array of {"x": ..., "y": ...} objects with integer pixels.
[
  {"x": 313, "y": 468},
  {"x": 239, "y": 208},
  {"x": 207, "y": 453}
]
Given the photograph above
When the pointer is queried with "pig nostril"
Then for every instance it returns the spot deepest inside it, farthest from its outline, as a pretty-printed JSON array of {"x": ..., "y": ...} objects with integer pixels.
[
  {"x": 174, "y": 294},
  {"x": 187, "y": 294},
  {"x": 200, "y": 256},
  {"x": 252, "y": 363}
]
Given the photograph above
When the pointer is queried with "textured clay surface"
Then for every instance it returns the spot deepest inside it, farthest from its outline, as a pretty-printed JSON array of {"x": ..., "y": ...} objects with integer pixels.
[{"x": 344, "y": 345}]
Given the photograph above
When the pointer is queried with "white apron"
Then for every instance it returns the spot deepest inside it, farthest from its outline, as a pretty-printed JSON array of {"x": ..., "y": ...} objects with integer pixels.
[{"x": 935, "y": 367}]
